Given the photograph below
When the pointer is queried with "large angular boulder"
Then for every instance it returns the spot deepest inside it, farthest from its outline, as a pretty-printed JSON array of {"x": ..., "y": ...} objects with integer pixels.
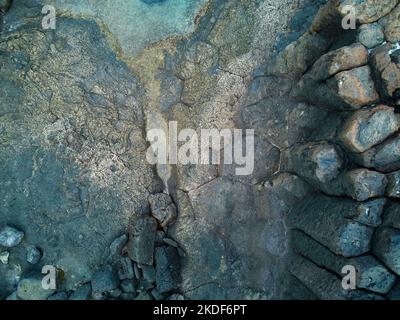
[
  {"x": 369, "y": 127},
  {"x": 384, "y": 157},
  {"x": 391, "y": 25},
  {"x": 347, "y": 90},
  {"x": 335, "y": 61},
  {"x": 363, "y": 184},
  {"x": 371, "y": 274},
  {"x": 317, "y": 162},
  {"x": 386, "y": 72},
  {"x": 326, "y": 220},
  {"x": 325, "y": 285},
  {"x": 163, "y": 209}
]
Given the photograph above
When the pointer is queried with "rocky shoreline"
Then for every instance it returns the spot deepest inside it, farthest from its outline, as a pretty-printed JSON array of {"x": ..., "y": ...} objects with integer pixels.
[{"x": 77, "y": 192}]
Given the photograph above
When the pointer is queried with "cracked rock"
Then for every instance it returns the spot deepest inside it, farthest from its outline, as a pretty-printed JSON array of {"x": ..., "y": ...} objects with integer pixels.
[
  {"x": 384, "y": 157},
  {"x": 163, "y": 209},
  {"x": 10, "y": 237},
  {"x": 371, "y": 274},
  {"x": 323, "y": 284},
  {"x": 326, "y": 219},
  {"x": 367, "y": 128},
  {"x": 141, "y": 240}
]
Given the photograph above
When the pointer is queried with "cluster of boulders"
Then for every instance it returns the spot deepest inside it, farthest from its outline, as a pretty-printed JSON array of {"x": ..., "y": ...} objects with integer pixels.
[
  {"x": 143, "y": 264},
  {"x": 353, "y": 218}
]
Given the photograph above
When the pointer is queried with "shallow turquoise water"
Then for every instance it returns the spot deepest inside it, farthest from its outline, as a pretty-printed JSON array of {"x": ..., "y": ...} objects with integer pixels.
[{"x": 134, "y": 23}]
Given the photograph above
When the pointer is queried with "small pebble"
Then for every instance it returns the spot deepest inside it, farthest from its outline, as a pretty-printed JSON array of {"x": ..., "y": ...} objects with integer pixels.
[
  {"x": 10, "y": 237},
  {"x": 33, "y": 255}
]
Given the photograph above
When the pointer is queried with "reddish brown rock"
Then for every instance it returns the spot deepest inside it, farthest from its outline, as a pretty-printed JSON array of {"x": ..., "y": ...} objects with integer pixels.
[
  {"x": 391, "y": 25},
  {"x": 355, "y": 88},
  {"x": 385, "y": 72},
  {"x": 342, "y": 59},
  {"x": 367, "y": 128}
]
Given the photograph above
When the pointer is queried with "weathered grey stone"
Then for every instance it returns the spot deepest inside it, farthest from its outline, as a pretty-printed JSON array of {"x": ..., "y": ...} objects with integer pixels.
[
  {"x": 10, "y": 237},
  {"x": 384, "y": 157},
  {"x": 141, "y": 240},
  {"x": 323, "y": 284},
  {"x": 391, "y": 25},
  {"x": 163, "y": 209},
  {"x": 325, "y": 219},
  {"x": 371, "y": 35},
  {"x": 30, "y": 288},
  {"x": 335, "y": 61},
  {"x": 104, "y": 280},
  {"x": 33, "y": 255},
  {"x": 393, "y": 188},
  {"x": 363, "y": 184},
  {"x": 385, "y": 71},
  {"x": 167, "y": 269},
  {"x": 367, "y": 128},
  {"x": 387, "y": 247},
  {"x": 371, "y": 274},
  {"x": 59, "y": 296},
  {"x": 316, "y": 162}
]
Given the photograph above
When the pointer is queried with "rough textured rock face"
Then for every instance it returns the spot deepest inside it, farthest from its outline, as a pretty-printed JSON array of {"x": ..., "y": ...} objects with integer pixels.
[{"x": 78, "y": 193}]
